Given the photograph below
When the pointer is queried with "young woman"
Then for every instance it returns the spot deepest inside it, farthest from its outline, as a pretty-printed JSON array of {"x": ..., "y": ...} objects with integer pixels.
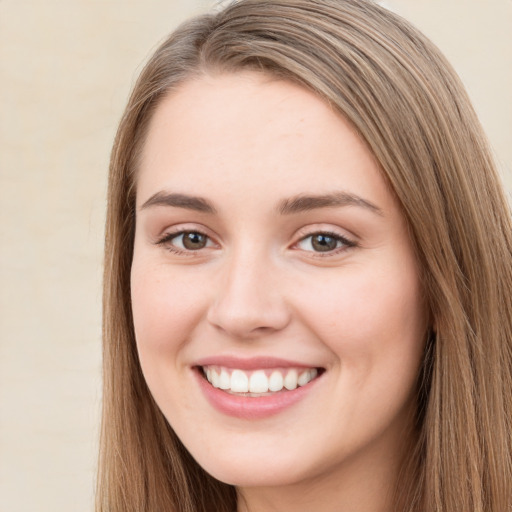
[{"x": 308, "y": 274}]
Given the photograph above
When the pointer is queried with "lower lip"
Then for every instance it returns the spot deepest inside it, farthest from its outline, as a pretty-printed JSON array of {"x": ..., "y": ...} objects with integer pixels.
[{"x": 256, "y": 407}]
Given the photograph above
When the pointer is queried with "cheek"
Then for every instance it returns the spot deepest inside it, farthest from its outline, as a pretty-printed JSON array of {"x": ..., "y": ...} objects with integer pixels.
[
  {"x": 166, "y": 306},
  {"x": 166, "y": 311},
  {"x": 375, "y": 327},
  {"x": 370, "y": 319}
]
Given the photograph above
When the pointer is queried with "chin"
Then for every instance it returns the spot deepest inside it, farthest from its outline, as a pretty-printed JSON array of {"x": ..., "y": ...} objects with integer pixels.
[{"x": 254, "y": 473}]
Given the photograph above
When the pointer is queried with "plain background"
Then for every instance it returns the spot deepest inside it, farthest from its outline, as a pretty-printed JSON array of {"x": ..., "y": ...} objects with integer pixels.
[{"x": 66, "y": 68}]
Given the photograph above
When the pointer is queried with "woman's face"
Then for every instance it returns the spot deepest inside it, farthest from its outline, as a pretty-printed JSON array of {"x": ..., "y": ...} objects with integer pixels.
[{"x": 272, "y": 260}]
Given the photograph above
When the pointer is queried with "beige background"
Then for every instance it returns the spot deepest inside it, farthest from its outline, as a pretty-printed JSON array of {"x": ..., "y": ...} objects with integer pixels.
[{"x": 66, "y": 67}]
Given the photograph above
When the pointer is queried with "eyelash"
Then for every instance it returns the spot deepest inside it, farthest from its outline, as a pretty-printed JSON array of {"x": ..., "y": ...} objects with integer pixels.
[
  {"x": 347, "y": 243},
  {"x": 168, "y": 238}
]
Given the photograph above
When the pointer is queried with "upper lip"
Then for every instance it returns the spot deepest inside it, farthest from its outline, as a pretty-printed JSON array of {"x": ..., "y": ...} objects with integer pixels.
[{"x": 252, "y": 363}]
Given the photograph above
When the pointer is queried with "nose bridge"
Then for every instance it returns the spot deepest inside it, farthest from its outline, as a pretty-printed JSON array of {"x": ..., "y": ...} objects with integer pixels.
[{"x": 248, "y": 301}]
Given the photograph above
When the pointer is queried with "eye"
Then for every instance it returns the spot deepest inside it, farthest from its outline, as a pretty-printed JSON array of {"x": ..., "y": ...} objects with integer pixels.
[
  {"x": 186, "y": 241},
  {"x": 324, "y": 242}
]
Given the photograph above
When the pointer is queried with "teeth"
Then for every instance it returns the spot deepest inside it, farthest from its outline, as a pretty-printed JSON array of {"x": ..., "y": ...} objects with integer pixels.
[
  {"x": 290, "y": 380},
  {"x": 307, "y": 376},
  {"x": 259, "y": 381},
  {"x": 214, "y": 378},
  {"x": 224, "y": 380},
  {"x": 303, "y": 378},
  {"x": 276, "y": 381},
  {"x": 239, "y": 382}
]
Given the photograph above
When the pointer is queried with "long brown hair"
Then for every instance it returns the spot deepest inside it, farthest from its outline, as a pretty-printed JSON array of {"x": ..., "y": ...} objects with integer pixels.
[{"x": 406, "y": 102}]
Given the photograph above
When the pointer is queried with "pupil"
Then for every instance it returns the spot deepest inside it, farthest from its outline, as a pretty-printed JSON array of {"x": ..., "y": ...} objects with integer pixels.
[
  {"x": 324, "y": 243},
  {"x": 194, "y": 240}
]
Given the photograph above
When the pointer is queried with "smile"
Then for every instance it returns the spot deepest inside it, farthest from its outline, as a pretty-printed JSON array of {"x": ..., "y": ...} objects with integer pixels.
[
  {"x": 255, "y": 388},
  {"x": 258, "y": 382}
]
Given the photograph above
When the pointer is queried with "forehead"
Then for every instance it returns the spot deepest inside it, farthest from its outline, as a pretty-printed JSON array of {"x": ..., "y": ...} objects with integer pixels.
[{"x": 225, "y": 133}]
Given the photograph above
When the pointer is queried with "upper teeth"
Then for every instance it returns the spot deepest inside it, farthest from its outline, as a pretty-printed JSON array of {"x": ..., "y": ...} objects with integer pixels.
[{"x": 258, "y": 381}]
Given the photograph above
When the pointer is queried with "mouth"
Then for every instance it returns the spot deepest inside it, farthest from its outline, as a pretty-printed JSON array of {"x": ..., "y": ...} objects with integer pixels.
[{"x": 258, "y": 382}]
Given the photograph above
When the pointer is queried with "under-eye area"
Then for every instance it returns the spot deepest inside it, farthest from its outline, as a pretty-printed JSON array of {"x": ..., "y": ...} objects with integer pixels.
[{"x": 259, "y": 382}]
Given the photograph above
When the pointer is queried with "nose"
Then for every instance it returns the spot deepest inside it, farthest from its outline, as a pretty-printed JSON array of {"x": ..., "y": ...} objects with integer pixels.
[{"x": 249, "y": 301}]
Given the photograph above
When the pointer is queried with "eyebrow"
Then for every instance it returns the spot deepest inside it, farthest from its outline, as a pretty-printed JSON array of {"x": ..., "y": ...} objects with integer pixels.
[
  {"x": 297, "y": 204},
  {"x": 304, "y": 203},
  {"x": 180, "y": 201}
]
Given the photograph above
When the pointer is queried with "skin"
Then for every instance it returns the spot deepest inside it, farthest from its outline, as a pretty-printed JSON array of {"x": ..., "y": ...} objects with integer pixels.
[{"x": 259, "y": 287}]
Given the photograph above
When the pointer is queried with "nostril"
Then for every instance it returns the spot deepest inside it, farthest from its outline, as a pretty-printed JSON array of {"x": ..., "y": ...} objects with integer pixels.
[{"x": 247, "y": 326}]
